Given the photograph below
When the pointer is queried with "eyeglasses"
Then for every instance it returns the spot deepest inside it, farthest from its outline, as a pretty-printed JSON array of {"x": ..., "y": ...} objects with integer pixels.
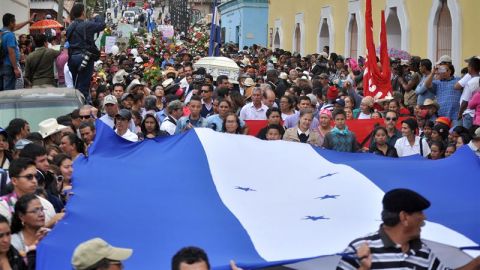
[
  {"x": 391, "y": 118},
  {"x": 5, "y": 234},
  {"x": 205, "y": 91},
  {"x": 85, "y": 116},
  {"x": 36, "y": 211},
  {"x": 29, "y": 177}
]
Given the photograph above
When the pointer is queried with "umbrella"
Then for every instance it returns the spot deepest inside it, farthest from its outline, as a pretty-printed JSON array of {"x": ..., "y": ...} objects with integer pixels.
[
  {"x": 45, "y": 24},
  {"x": 396, "y": 53},
  {"x": 217, "y": 66}
]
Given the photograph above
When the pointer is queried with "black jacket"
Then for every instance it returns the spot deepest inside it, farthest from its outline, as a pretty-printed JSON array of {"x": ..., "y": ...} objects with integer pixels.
[{"x": 16, "y": 261}]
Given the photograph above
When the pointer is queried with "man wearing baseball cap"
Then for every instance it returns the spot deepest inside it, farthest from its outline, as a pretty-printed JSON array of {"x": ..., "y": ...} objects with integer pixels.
[
  {"x": 397, "y": 244},
  {"x": 96, "y": 254}
]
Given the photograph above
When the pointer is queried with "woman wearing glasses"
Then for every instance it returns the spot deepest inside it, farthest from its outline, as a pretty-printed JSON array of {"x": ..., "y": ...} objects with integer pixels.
[{"x": 28, "y": 224}]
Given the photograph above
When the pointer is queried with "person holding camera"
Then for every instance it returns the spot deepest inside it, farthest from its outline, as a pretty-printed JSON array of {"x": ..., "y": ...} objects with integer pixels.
[{"x": 82, "y": 52}]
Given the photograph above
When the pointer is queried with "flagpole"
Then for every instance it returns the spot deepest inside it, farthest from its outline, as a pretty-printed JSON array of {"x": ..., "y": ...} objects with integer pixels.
[{"x": 211, "y": 47}]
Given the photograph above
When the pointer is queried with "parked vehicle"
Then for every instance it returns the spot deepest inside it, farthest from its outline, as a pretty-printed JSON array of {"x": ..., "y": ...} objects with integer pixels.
[
  {"x": 38, "y": 104},
  {"x": 129, "y": 16}
]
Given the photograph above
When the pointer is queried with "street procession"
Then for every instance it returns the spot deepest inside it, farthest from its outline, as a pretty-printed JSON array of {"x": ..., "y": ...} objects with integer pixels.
[{"x": 239, "y": 134}]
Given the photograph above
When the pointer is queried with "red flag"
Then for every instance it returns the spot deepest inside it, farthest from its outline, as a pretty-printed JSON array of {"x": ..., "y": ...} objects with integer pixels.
[{"x": 376, "y": 82}]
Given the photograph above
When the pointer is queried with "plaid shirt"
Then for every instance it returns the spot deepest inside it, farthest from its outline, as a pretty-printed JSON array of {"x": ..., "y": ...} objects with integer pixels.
[{"x": 447, "y": 97}]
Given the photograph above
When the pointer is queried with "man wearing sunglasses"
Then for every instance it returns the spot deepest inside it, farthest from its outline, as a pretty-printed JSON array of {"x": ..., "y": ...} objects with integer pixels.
[
  {"x": 87, "y": 113},
  {"x": 393, "y": 134},
  {"x": 23, "y": 177}
]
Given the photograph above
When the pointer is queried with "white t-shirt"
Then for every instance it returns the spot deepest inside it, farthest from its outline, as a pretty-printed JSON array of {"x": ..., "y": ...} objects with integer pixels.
[
  {"x": 168, "y": 126},
  {"x": 470, "y": 88},
  {"x": 364, "y": 116},
  {"x": 129, "y": 136},
  {"x": 68, "y": 76},
  {"x": 404, "y": 148}
]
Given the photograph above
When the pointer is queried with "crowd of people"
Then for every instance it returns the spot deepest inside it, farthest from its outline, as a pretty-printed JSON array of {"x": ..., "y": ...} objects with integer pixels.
[{"x": 153, "y": 90}]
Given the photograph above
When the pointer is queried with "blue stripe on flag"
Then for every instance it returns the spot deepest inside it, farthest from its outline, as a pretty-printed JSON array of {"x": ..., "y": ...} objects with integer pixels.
[
  {"x": 451, "y": 184},
  {"x": 155, "y": 220}
]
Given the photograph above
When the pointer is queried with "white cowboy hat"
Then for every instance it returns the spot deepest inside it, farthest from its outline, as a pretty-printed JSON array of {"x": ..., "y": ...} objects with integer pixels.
[
  {"x": 49, "y": 127},
  {"x": 249, "y": 82}
]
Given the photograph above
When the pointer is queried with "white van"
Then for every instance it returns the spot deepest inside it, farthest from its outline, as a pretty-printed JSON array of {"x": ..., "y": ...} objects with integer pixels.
[{"x": 129, "y": 16}]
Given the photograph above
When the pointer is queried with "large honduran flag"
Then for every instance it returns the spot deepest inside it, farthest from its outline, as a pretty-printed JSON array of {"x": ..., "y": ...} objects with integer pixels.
[{"x": 258, "y": 202}]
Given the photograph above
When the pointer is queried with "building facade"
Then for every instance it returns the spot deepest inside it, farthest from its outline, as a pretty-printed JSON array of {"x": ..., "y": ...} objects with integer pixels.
[
  {"x": 427, "y": 28},
  {"x": 244, "y": 22},
  {"x": 20, "y": 8}
]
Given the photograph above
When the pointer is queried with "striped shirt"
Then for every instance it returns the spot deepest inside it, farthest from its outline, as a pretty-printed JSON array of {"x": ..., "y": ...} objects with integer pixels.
[{"x": 388, "y": 255}]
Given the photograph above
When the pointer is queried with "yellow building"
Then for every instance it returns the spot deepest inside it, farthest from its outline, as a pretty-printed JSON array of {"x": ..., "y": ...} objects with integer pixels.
[{"x": 427, "y": 28}]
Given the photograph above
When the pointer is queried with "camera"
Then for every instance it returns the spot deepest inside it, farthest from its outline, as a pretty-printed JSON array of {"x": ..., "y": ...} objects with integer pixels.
[
  {"x": 198, "y": 78},
  {"x": 85, "y": 60}
]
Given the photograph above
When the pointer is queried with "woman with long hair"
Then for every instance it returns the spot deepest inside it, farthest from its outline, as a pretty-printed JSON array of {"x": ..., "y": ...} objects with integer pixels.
[
  {"x": 231, "y": 124},
  {"x": 64, "y": 163},
  {"x": 72, "y": 145},
  {"x": 380, "y": 145},
  {"x": 9, "y": 256},
  {"x": 237, "y": 101},
  {"x": 28, "y": 223},
  {"x": 5, "y": 156},
  {"x": 150, "y": 127}
]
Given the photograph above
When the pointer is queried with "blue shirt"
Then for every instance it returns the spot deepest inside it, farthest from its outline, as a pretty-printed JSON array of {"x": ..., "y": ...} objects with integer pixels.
[
  {"x": 216, "y": 123},
  {"x": 9, "y": 41},
  {"x": 447, "y": 97},
  {"x": 165, "y": 62},
  {"x": 83, "y": 29},
  {"x": 185, "y": 120},
  {"x": 423, "y": 92},
  {"x": 161, "y": 115}
]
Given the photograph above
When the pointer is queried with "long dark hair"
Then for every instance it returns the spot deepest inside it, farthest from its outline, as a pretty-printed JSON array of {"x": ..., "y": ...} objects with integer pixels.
[
  {"x": 77, "y": 142},
  {"x": 21, "y": 209},
  {"x": 239, "y": 128},
  {"x": 144, "y": 129}
]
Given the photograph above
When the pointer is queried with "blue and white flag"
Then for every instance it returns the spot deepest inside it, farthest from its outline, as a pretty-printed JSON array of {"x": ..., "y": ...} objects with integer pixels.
[
  {"x": 215, "y": 32},
  {"x": 258, "y": 202}
]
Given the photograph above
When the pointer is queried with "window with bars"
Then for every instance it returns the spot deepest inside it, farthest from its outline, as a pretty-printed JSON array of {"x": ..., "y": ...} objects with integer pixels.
[{"x": 444, "y": 31}]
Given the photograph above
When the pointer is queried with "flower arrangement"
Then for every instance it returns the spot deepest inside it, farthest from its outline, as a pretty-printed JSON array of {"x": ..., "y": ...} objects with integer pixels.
[
  {"x": 152, "y": 74},
  {"x": 199, "y": 38}
]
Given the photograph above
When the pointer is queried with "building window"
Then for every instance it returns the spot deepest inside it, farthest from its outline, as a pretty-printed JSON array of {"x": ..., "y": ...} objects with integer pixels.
[
  {"x": 298, "y": 39},
  {"x": 324, "y": 37},
  {"x": 394, "y": 30},
  {"x": 276, "y": 40},
  {"x": 353, "y": 35},
  {"x": 223, "y": 35},
  {"x": 237, "y": 34},
  {"x": 444, "y": 31}
]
